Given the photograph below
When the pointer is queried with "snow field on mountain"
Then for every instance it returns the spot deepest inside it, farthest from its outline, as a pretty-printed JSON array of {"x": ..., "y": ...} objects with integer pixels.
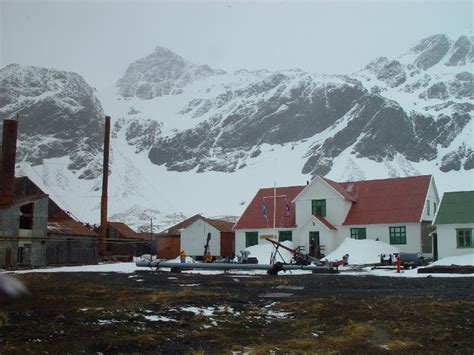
[{"x": 137, "y": 184}]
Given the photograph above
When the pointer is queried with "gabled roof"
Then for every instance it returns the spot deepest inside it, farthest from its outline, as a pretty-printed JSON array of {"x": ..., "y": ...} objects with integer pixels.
[
  {"x": 69, "y": 227},
  {"x": 253, "y": 217},
  {"x": 22, "y": 200},
  {"x": 397, "y": 200},
  {"x": 325, "y": 222},
  {"x": 456, "y": 207},
  {"x": 59, "y": 220},
  {"x": 175, "y": 230},
  {"x": 123, "y": 229},
  {"x": 219, "y": 224},
  {"x": 340, "y": 189}
]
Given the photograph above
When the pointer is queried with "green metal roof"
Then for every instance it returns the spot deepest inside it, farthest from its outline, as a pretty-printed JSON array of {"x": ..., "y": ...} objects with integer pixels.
[{"x": 456, "y": 207}]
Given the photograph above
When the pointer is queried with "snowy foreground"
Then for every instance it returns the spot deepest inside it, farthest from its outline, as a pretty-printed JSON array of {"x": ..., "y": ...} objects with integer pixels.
[{"x": 360, "y": 252}]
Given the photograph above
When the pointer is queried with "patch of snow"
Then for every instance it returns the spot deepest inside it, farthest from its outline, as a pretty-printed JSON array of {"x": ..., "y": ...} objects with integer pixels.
[
  {"x": 205, "y": 311},
  {"x": 461, "y": 260},
  {"x": 278, "y": 315},
  {"x": 107, "y": 267},
  {"x": 362, "y": 251},
  {"x": 107, "y": 321},
  {"x": 155, "y": 318}
]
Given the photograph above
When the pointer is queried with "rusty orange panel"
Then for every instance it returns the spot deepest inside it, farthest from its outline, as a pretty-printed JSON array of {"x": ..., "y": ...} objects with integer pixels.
[{"x": 167, "y": 247}]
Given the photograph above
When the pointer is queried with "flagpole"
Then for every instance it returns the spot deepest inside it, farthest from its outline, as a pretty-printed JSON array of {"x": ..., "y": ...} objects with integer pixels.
[{"x": 274, "y": 207}]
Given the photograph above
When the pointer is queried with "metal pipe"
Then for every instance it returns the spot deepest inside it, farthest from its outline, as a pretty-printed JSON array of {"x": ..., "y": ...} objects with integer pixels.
[
  {"x": 105, "y": 185},
  {"x": 227, "y": 266}
]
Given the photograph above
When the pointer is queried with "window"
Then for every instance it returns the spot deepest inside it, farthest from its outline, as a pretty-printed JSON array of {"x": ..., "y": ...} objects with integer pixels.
[
  {"x": 285, "y": 235},
  {"x": 318, "y": 207},
  {"x": 427, "y": 207},
  {"x": 26, "y": 216},
  {"x": 434, "y": 207},
  {"x": 358, "y": 233},
  {"x": 251, "y": 238},
  {"x": 464, "y": 238},
  {"x": 398, "y": 235}
]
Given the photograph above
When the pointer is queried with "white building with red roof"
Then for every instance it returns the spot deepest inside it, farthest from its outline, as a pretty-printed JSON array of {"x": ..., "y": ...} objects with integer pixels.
[{"x": 320, "y": 215}]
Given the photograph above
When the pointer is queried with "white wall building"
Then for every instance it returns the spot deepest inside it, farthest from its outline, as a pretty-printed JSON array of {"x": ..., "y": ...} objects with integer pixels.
[
  {"x": 194, "y": 231},
  {"x": 320, "y": 215}
]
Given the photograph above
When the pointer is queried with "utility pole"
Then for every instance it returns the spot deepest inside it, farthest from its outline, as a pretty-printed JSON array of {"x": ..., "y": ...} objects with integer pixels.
[{"x": 151, "y": 237}]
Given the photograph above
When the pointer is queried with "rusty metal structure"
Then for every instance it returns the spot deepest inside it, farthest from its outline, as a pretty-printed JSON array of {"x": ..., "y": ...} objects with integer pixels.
[
  {"x": 7, "y": 176},
  {"x": 105, "y": 186},
  {"x": 272, "y": 269}
]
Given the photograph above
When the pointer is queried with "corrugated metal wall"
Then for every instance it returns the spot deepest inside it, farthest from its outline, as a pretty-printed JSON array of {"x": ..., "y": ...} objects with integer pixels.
[{"x": 167, "y": 247}]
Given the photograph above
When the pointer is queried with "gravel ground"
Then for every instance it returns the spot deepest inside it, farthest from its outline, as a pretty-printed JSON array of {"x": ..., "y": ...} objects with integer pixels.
[{"x": 162, "y": 312}]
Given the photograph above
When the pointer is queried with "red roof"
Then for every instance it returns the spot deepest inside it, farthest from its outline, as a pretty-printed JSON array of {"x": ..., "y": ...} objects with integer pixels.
[
  {"x": 123, "y": 229},
  {"x": 325, "y": 222},
  {"x": 397, "y": 200},
  {"x": 69, "y": 227},
  {"x": 339, "y": 188},
  {"x": 254, "y": 218}
]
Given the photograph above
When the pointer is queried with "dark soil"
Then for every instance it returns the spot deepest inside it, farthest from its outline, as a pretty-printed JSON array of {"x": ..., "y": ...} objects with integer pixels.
[{"x": 147, "y": 312}]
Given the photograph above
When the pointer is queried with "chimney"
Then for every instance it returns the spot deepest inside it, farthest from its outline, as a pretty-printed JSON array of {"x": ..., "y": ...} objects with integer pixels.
[
  {"x": 105, "y": 185},
  {"x": 7, "y": 176}
]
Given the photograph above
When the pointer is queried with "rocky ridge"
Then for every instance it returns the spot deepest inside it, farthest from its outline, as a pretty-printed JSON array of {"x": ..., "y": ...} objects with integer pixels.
[
  {"x": 59, "y": 116},
  {"x": 161, "y": 73},
  {"x": 425, "y": 96}
]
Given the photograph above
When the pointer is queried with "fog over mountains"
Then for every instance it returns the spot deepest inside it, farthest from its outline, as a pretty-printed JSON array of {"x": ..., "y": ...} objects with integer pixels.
[{"x": 191, "y": 139}]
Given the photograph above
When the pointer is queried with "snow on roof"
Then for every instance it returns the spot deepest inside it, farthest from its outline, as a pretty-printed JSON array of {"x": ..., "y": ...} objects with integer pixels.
[{"x": 361, "y": 251}]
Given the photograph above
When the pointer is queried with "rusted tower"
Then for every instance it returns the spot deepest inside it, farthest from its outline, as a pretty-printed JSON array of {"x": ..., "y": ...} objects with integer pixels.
[{"x": 105, "y": 186}]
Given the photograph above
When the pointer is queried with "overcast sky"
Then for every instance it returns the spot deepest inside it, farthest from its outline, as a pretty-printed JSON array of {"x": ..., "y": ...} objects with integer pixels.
[{"x": 98, "y": 39}]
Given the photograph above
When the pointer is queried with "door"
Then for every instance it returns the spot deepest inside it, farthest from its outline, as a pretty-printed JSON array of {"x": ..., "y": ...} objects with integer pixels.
[
  {"x": 227, "y": 244},
  {"x": 435, "y": 246},
  {"x": 314, "y": 244},
  {"x": 8, "y": 256}
]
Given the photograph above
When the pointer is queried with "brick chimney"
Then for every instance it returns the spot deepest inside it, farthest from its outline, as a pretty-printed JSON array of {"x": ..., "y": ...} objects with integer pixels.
[{"x": 7, "y": 173}]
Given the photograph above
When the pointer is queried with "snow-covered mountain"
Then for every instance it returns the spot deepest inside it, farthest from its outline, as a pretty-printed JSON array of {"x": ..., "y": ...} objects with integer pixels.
[
  {"x": 190, "y": 139},
  {"x": 161, "y": 73},
  {"x": 59, "y": 115}
]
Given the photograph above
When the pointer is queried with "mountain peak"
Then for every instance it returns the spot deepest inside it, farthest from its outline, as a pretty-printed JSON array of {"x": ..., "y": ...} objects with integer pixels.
[
  {"x": 163, "y": 72},
  {"x": 165, "y": 53},
  {"x": 431, "y": 50},
  {"x": 430, "y": 41}
]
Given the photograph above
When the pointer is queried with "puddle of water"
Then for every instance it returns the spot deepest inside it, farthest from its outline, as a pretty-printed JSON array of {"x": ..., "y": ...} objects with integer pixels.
[
  {"x": 276, "y": 295},
  {"x": 286, "y": 287}
]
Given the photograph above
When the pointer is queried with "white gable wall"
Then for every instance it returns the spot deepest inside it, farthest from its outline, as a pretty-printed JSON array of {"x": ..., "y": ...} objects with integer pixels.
[
  {"x": 327, "y": 238},
  {"x": 447, "y": 243},
  {"x": 336, "y": 206},
  {"x": 193, "y": 239},
  {"x": 433, "y": 198}
]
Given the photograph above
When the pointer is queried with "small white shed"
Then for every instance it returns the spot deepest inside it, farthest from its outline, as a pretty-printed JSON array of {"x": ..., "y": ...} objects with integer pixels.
[{"x": 194, "y": 237}]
